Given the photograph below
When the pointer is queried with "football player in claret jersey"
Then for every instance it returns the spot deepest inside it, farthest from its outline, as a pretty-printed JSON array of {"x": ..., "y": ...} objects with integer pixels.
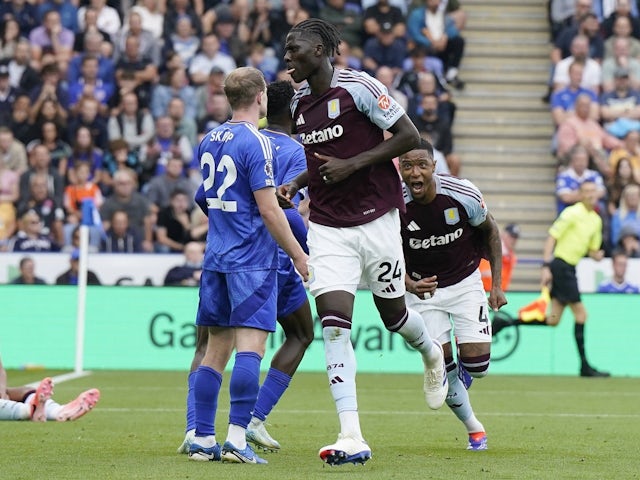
[
  {"x": 354, "y": 225},
  {"x": 238, "y": 286},
  {"x": 446, "y": 230},
  {"x": 294, "y": 312}
]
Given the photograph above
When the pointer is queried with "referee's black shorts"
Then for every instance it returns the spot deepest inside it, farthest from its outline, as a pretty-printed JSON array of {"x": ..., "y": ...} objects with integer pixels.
[{"x": 564, "y": 287}]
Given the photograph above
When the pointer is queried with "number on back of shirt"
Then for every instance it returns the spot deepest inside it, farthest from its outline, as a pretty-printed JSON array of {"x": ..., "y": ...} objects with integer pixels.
[{"x": 227, "y": 167}]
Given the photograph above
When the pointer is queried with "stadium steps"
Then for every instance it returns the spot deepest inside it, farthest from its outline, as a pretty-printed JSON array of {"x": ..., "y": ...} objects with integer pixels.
[{"x": 502, "y": 130}]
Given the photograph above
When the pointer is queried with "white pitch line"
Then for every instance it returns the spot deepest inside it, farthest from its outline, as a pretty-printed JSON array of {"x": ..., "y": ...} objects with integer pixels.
[
  {"x": 385, "y": 412},
  {"x": 65, "y": 377}
]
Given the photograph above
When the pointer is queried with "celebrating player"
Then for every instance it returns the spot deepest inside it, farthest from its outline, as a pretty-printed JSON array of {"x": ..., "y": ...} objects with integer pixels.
[
  {"x": 445, "y": 230},
  {"x": 354, "y": 223},
  {"x": 238, "y": 286}
]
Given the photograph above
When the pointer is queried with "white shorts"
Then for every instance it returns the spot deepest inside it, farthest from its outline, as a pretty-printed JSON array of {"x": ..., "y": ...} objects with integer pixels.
[
  {"x": 342, "y": 258},
  {"x": 462, "y": 307}
]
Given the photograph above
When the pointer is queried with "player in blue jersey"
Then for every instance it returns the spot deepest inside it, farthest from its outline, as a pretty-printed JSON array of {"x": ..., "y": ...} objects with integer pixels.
[
  {"x": 446, "y": 230},
  {"x": 354, "y": 226},
  {"x": 618, "y": 283},
  {"x": 238, "y": 286},
  {"x": 294, "y": 312}
]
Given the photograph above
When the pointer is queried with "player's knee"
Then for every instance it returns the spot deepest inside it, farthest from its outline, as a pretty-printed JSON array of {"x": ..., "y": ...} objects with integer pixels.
[{"x": 336, "y": 327}]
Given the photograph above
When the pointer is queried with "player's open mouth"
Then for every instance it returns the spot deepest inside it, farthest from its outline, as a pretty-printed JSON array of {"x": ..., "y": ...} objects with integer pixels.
[{"x": 416, "y": 187}]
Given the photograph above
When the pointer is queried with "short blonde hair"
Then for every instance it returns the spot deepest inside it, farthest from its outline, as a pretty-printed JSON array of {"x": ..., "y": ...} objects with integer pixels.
[{"x": 242, "y": 85}]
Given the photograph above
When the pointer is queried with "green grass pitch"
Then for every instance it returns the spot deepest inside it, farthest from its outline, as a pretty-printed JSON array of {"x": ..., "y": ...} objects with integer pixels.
[{"x": 538, "y": 427}]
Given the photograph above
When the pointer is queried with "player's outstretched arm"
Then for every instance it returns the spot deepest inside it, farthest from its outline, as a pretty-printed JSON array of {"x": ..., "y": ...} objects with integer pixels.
[{"x": 278, "y": 226}]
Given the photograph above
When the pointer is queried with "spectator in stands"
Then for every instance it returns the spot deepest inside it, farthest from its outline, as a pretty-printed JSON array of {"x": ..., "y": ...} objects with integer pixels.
[
  {"x": 91, "y": 27},
  {"x": 40, "y": 163},
  {"x": 71, "y": 276},
  {"x": 119, "y": 157},
  {"x": 8, "y": 95},
  {"x": 175, "y": 9},
  {"x": 149, "y": 47},
  {"x": 177, "y": 85},
  {"x": 217, "y": 112},
  {"x": 75, "y": 194},
  {"x": 618, "y": 283},
  {"x": 173, "y": 230},
  {"x": 427, "y": 83},
  {"x": 623, "y": 8},
  {"x": 210, "y": 57},
  {"x": 85, "y": 151},
  {"x": 184, "y": 41},
  {"x": 384, "y": 49},
  {"x": 348, "y": 20},
  {"x": 120, "y": 237},
  {"x": 27, "y": 273},
  {"x": 386, "y": 76},
  {"x": 259, "y": 23},
  {"x": 620, "y": 59},
  {"x": 21, "y": 74},
  {"x": 152, "y": 15},
  {"x": 437, "y": 130},
  {"x": 629, "y": 242},
  {"x": 187, "y": 274},
  {"x": 160, "y": 187},
  {"x": 48, "y": 208},
  {"x": 383, "y": 12},
  {"x": 430, "y": 27},
  {"x": 59, "y": 150},
  {"x": 623, "y": 175},
  {"x": 163, "y": 145},
  {"x": 592, "y": 74},
  {"x": 621, "y": 103},
  {"x": 13, "y": 154},
  {"x": 563, "y": 100},
  {"x": 131, "y": 124},
  {"x": 108, "y": 17},
  {"x": 10, "y": 35},
  {"x": 184, "y": 125},
  {"x": 580, "y": 129},
  {"x": 20, "y": 123},
  {"x": 348, "y": 58},
  {"x": 67, "y": 10},
  {"x": 630, "y": 150},
  {"x": 138, "y": 208},
  {"x": 30, "y": 237},
  {"x": 282, "y": 19},
  {"x": 264, "y": 60},
  {"x": 89, "y": 116},
  {"x": 51, "y": 36},
  {"x": 49, "y": 110},
  {"x": 569, "y": 180},
  {"x": 213, "y": 86},
  {"x": 588, "y": 26},
  {"x": 9, "y": 193},
  {"x": 51, "y": 88},
  {"x": 628, "y": 214},
  {"x": 23, "y": 11},
  {"x": 92, "y": 48},
  {"x": 144, "y": 71},
  {"x": 232, "y": 32},
  {"x": 622, "y": 29}
]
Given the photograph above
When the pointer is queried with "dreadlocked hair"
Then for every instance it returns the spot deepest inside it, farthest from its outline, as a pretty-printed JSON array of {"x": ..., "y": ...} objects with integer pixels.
[{"x": 327, "y": 32}]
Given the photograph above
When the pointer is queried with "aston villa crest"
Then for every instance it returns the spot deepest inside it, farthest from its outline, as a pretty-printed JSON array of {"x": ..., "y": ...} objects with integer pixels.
[
  {"x": 333, "y": 108},
  {"x": 451, "y": 216}
]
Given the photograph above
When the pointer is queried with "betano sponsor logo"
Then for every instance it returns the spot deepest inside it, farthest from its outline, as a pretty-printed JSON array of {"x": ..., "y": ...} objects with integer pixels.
[
  {"x": 434, "y": 240},
  {"x": 321, "y": 136}
]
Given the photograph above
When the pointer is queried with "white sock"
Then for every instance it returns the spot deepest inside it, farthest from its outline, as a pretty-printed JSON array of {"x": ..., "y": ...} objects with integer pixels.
[
  {"x": 452, "y": 73},
  {"x": 459, "y": 403},
  {"x": 206, "y": 442},
  {"x": 415, "y": 332},
  {"x": 237, "y": 436},
  {"x": 10, "y": 410},
  {"x": 52, "y": 409},
  {"x": 341, "y": 368}
]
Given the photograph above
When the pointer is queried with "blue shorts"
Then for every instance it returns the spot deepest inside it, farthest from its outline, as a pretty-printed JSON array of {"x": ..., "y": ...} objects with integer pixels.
[
  {"x": 241, "y": 299},
  {"x": 291, "y": 291}
]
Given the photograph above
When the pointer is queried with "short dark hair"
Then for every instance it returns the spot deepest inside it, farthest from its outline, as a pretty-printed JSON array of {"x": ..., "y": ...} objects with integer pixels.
[{"x": 279, "y": 95}]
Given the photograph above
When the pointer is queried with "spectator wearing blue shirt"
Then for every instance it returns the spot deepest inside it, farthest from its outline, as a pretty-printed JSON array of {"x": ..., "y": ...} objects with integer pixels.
[
  {"x": 563, "y": 101},
  {"x": 569, "y": 180},
  {"x": 627, "y": 214},
  {"x": 24, "y": 13},
  {"x": 384, "y": 49},
  {"x": 92, "y": 47},
  {"x": 67, "y": 10},
  {"x": 618, "y": 283},
  {"x": 89, "y": 84}
]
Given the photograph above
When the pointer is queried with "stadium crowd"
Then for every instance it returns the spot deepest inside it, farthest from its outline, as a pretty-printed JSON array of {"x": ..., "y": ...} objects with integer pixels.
[
  {"x": 594, "y": 96},
  {"x": 107, "y": 100}
]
